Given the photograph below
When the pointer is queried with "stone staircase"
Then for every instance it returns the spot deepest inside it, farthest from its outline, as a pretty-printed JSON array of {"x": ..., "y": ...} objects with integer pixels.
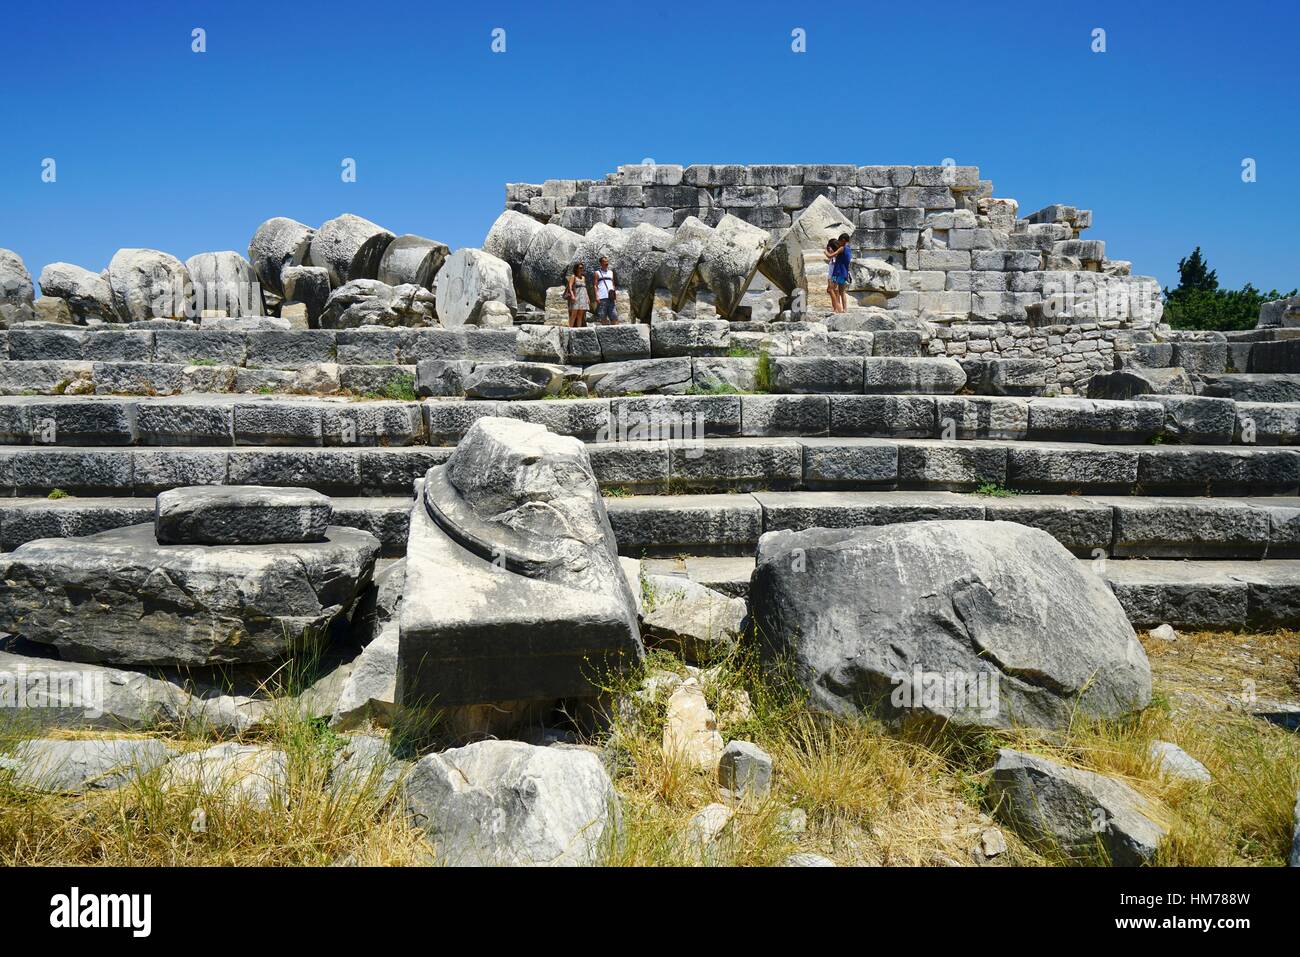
[{"x": 1163, "y": 495}]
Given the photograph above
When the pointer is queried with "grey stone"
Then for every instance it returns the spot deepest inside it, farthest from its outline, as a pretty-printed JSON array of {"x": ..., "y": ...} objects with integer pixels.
[
  {"x": 729, "y": 260},
  {"x": 469, "y": 279},
  {"x": 309, "y": 285},
  {"x": 1177, "y": 763},
  {"x": 516, "y": 519},
  {"x": 349, "y": 248},
  {"x": 1254, "y": 387},
  {"x": 497, "y": 803},
  {"x": 512, "y": 380},
  {"x": 924, "y": 376},
  {"x": 998, "y": 615},
  {"x": 277, "y": 243},
  {"x": 245, "y": 773},
  {"x": 745, "y": 770},
  {"x": 240, "y": 515},
  {"x": 73, "y": 767},
  {"x": 86, "y": 293},
  {"x": 817, "y": 374},
  {"x": 148, "y": 284},
  {"x": 691, "y": 523},
  {"x": 225, "y": 282},
  {"x": 412, "y": 259},
  {"x": 803, "y": 415},
  {"x": 849, "y": 463},
  {"x": 17, "y": 294},
  {"x": 689, "y": 338},
  {"x": 1188, "y": 527},
  {"x": 692, "y": 620},
  {"x": 885, "y": 415},
  {"x": 1186, "y": 594},
  {"x": 1083, "y": 813},
  {"x": 180, "y": 604},
  {"x": 368, "y": 302},
  {"x": 1198, "y": 419},
  {"x": 643, "y": 376}
]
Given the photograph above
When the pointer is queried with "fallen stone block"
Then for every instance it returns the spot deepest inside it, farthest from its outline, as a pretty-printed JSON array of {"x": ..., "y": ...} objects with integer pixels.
[
  {"x": 469, "y": 279},
  {"x": 240, "y": 515},
  {"x": 642, "y": 376},
  {"x": 148, "y": 284},
  {"x": 74, "y": 767},
  {"x": 180, "y": 604}
]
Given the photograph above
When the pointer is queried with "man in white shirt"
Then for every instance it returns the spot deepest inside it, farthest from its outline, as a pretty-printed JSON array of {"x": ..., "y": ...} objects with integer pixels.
[{"x": 605, "y": 294}]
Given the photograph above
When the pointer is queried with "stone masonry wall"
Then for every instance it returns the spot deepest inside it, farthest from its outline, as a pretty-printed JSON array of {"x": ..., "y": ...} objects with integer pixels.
[{"x": 1002, "y": 284}]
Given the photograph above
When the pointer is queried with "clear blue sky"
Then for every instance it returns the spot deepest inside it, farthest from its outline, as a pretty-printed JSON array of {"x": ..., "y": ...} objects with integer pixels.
[{"x": 158, "y": 146}]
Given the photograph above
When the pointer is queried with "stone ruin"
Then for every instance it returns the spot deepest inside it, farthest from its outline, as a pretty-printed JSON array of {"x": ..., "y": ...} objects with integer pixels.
[{"x": 396, "y": 460}]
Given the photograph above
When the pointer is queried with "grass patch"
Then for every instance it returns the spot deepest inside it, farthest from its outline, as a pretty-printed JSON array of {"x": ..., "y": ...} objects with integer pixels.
[
  {"x": 995, "y": 490},
  {"x": 57, "y": 493}
]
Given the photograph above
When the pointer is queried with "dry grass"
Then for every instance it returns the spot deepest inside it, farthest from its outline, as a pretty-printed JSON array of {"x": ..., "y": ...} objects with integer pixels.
[{"x": 871, "y": 795}]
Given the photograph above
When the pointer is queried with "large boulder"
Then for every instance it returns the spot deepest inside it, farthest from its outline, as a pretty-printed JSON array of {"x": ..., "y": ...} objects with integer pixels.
[
  {"x": 279, "y": 242},
  {"x": 350, "y": 247},
  {"x": 691, "y": 619},
  {"x": 729, "y": 260},
  {"x": 987, "y": 624},
  {"x": 679, "y": 267},
  {"x": 1087, "y": 815},
  {"x": 547, "y": 261},
  {"x": 120, "y": 597},
  {"x": 86, "y": 293},
  {"x": 469, "y": 279},
  {"x": 225, "y": 282},
  {"x": 638, "y": 265},
  {"x": 148, "y": 284},
  {"x": 783, "y": 264},
  {"x": 601, "y": 240},
  {"x": 369, "y": 302},
  {"x": 17, "y": 295},
  {"x": 509, "y": 237},
  {"x": 412, "y": 259},
  {"x": 507, "y": 803},
  {"x": 513, "y": 587}
]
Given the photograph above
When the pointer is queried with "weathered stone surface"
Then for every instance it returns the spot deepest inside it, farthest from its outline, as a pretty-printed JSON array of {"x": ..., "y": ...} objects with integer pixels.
[
  {"x": 240, "y": 515},
  {"x": 1101, "y": 420},
  {"x": 120, "y": 597},
  {"x": 225, "y": 282},
  {"x": 72, "y": 767},
  {"x": 924, "y": 376},
  {"x": 1083, "y": 813},
  {"x": 1177, "y": 763},
  {"x": 246, "y": 773},
  {"x": 496, "y": 803},
  {"x": 369, "y": 302},
  {"x": 349, "y": 248},
  {"x": 412, "y": 259},
  {"x": 1000, "y": 607},
  {"x": 86, "y": 293},
  {"x": 47, "y": 693},
  {"x": 671, "y": 376},
  {"x": 1137, "y": 381},
  {"x": 745, "y": 770},
  {"x": 512, "y": 380},
  {"x": 678, "y": 268},
  {"x": 547, "y": 260},
  {"x": 1198, "y": 419},
  {"x": 309, "y": 285},
  {"x": 1254, "y": 387},
  {"x": 509, "y": 236},
  {"x": 691, "y": 734},
  {"x": 516, "y": 519},
  {"x": 370, "y": 690},
  {"x": 729, "y": 260},
  {"x": 17, "y": 295},
  {"x": 638, "y": 266},
  {"x": 783, "y": 264},
  {"x": 279, "y": 242},
  {"x": 148, "y": 284},
  {"x": 816, "y": 374},
  {"x": 689, "y": 338},
  {"x": 692, "y": 620},
  {"x": 469, "y": 279}
]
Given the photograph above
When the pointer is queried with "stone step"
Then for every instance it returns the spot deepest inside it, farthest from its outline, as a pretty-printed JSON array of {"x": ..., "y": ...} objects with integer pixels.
[
  {"x": 1186, "y": 594},
  {"x": 1093, "y": 525},
  {"x": 26, "y": 519},
  {"x": 224, "y": 419},
  {"x": 711, "y": 465},
  {"x": 1090, "y": 526}
]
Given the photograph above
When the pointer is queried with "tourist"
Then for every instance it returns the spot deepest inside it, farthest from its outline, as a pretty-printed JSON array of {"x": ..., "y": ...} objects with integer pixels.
[
  {"x": 606, "y": 307},
  {"x": 575, "y": 293},
  {"x": 829, "y": 253},
  {"x": 840, "y": 260}
]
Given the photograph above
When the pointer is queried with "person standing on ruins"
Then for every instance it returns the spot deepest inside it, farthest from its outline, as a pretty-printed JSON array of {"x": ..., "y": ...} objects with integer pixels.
[
  {"x": 605, "y": 294},
  {"x": 839, "y": 260},
  {"x": 576, "y": 294}
]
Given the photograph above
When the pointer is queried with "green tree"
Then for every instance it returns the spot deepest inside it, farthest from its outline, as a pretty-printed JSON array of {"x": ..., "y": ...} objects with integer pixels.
[{"x": 1199, "y": 303}]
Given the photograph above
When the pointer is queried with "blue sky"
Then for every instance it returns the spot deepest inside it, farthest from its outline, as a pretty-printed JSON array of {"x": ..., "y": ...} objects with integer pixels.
[{"x": 158, "y": 146}]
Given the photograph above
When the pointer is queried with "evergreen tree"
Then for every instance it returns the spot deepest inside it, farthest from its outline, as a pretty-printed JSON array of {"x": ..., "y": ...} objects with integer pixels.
[{"x": 1199, "y": 303}]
